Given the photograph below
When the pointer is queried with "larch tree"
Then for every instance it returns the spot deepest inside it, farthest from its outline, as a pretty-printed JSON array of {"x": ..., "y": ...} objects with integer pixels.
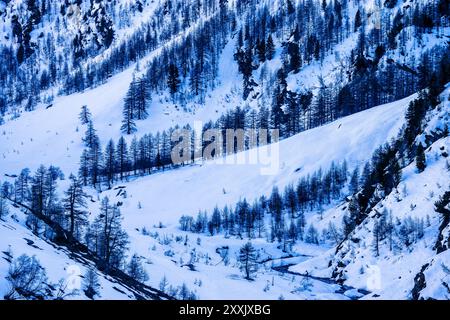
[
  {"x": 129, "y": 111},
  {"x": 248, "y": 260},
  {"x": 421, "y": 161},
  {"x": 85, "y": 115},
  {"x": 109, "y": 166},
  {"x": 173, "y": 81},
  {"x": 270, "y": 48},
  {"x": 136, "y": 270},
  {"x": 74, "y": 206},
  {"x": 122, "y": 157},
  {"x": 106, "y": 237}
]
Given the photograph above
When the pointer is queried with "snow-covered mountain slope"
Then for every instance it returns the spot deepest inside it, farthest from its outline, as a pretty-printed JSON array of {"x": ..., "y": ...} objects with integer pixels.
[
  {"x": 154, "y": 204},
  {"x": 35, "y": 139},
  {"x": 144, "y": 28},
  {"x": 53, "y": 134},
  {"x": 335, "y": 77},
  {"x": 207, "y": 184},
  {"x": 404, "y": 258},
  {"x": 390, "y": 275},
  {"x": 165, "y": 196},
  {"x": 65, "y": 271}
]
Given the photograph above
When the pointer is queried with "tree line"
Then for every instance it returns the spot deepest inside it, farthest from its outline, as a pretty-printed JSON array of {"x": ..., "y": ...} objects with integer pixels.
[
  {"x": 281, "y": 216},
  {"x": 104, "y": 236}
]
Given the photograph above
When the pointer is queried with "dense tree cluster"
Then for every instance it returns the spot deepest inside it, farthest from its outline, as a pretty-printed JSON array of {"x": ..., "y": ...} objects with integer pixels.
[
  {"x": 104, "y": 236},
  {"x": 153, "y": 152},
  {"x": 371, "y": 80},
  {"x": 27, "y": 279},
  {"x": 135, "y": 105},
  {"x": 280, "y": 217},
  {"x": 383, "y": 173},
  {"x": 23, "y": 76},
  {"x": 298, "y": 33},
  {"x": 395, "y": 234}
]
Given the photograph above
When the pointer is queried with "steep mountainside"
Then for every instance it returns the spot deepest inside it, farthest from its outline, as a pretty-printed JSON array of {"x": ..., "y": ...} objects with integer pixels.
[{"x": 349, "y": 199}]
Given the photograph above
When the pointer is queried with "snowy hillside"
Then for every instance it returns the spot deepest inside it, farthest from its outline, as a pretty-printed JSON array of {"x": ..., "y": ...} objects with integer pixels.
[
  {"x": 391, "y": 274},
  {"x": 391, "y": 263},
  {"x": 148, "y": 205},
  {"x": 65, "y": 272}
]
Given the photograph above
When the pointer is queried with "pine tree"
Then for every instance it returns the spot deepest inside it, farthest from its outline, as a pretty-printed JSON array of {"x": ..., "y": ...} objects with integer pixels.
[
  {"x": 85, "y": 115},
  {"x": 421, "y": 161},
  {"x": 248, "y": 260},
  {"x": 91, "y": 284},
  {"x": 38, "y": 191},
  {"x": 353, "y": 218},
  {"x": 122, "y": 157},
  {"x": 95, "y": 158},
  {"x": 366, "y": 179},
  {"x": 128, "y": 124},
  {"x": 4, "y": 211},
  {"x": 184, "y": 293},
  {"x": 280, "y": 93},
  {"x": 134, "y": 154},
  {"x": 216, "y": 221},
  {"x": 358, "y": 20},
  {"x": 21, "y": 186},
  {"x": 90, "y": 137},
  {"x": 290, "y": 199},
  {"x": 354, "y": 181},
  {"x": 261, "y": 50},
  {"x": 396, "y": 172},
  {"x": 414, "y": 117},
  {"x": 270, "y": 48},
  {"x": 83, "y": 170},
  {"x": 376, "y": 238},
  {"x": 244, "y": 59},
  {"x": 136, "y": 270},
  {"x": 276, "y": 209},
  {"x": 51, "y": 204},
  {"x": 142, "y": 98},
  {"x": 163, "y": 284},
  {"x": 173, "y": 81},
  {"x": 196, "y": 80},
  {"x": 263, "y": 118},
  {"x": 257, "y": 213},
  {"x": 74, "y": 204}
]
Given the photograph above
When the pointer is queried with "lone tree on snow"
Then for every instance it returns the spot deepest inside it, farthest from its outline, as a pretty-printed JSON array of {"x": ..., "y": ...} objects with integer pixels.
[{"x": 248, "y": 260}]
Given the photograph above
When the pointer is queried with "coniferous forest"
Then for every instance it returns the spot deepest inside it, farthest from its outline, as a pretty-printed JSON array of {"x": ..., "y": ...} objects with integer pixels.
[{"x": 224, "y": 149}]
